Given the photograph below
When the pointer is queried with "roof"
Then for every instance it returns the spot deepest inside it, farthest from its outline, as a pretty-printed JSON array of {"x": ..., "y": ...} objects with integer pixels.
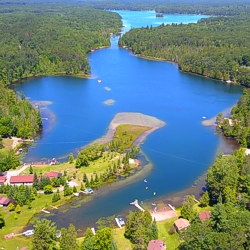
[
  {"x": 204, "y": 215},
  {"x": 156, "y": 245},
  {"x": 4, "y": 201},
  {"x": 52, "y": 175},
  {"x": 22, "y": 179},
  {"x": 24, "y": 248},
  {"x": 181, "y": 224},
  {"x": 2, "y": 179}
]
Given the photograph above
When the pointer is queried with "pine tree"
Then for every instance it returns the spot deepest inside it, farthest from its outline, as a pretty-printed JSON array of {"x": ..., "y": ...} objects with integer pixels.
[
  {"x": 74, "y": 189},
  {"x": 154, "y": 231},
  {"x": 36, "y": 182},
  {"x": 84, "y": 177},
  {"x": 82, "y": 187},
  {"x": 71, "y": 158},
  {"x": 31, "y": 169},
  {"x": 18, "y": 209}
]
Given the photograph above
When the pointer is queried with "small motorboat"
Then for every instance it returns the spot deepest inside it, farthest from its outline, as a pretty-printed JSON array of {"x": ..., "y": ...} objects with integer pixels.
[
  {"x": 99, "y": 81},
  {"x": 145, "y": 181}
]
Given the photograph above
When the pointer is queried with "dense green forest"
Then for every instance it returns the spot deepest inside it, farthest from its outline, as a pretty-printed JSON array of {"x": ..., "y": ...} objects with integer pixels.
[
  {"x": 228, "y": 190},
  {"x": 18, "y": 117},
  {"x": 238, "y": 126},
  {"x": 51, "y": 40},
  {"x": 217, "y": 47}
]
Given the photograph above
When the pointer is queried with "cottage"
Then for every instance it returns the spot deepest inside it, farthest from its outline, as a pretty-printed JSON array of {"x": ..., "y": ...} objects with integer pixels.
[
  {"x": 156, "y": 245},
  {"x": 2, "y": 179},
  {"x": 204, "y": 215},
  {"x": 4, "y": 202},
  {"x": 19, "y": 180},
  {"x": 53, "y": 174},
  {"x": 181, "y": 224}
]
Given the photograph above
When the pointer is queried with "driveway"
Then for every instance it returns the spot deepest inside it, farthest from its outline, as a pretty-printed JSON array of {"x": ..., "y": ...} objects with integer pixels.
[{"x": 15, "y": 173}]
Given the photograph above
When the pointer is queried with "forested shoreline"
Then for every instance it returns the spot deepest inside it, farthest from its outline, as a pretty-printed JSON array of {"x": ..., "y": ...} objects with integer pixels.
[
  {"x": 52, "y": 40},
  {"x": 217, "y": 47}
]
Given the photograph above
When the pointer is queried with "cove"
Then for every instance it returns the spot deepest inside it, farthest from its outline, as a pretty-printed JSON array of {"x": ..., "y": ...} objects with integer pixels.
[{"x": 179, "y": 152}]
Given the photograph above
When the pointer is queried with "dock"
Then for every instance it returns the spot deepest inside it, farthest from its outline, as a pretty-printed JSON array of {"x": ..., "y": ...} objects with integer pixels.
[
  {"x": 45, "y": 211},
  {"x": 54, "y": 207},
  {"x": 135, "y": 203},
  {"x": 93, "y": 230},
  {"x": 171, "y": 207},
  {"x": 118, "y": 223}
]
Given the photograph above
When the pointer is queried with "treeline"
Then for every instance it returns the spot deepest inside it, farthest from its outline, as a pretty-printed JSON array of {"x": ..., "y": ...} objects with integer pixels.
[
  {"x": 52, "y": 40},
  {"x": 17, "y": 116},
  {"x": 204, "y": 7},
  {"x": 238, "y": 125},
  {"x": 217, "y": 48}
]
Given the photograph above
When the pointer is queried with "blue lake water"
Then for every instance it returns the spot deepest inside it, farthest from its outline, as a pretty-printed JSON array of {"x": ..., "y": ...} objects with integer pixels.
[{"x": 179, "y": 152}]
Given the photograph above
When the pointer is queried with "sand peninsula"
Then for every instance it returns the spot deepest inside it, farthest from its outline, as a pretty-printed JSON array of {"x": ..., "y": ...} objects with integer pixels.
[
  {"x": 133, "y": 119},
  {"x": 212, "y": 121}
]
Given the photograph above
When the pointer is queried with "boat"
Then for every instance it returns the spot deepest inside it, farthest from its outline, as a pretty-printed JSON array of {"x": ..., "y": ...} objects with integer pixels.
[
  {"x": 88, "y": 191},
  {"x": 99, "y": 81},
  {"x": 145, "y": 181},
  {"x": 204, "y": 117},
  {"x": 153, "y": 204}
]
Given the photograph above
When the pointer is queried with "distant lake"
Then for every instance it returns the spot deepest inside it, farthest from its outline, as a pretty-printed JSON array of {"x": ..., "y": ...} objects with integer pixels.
[{"x": 179, "y": 152}]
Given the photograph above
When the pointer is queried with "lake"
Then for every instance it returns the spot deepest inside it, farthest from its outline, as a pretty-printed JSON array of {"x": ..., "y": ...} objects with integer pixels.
[{"x": 179, "y": 152}]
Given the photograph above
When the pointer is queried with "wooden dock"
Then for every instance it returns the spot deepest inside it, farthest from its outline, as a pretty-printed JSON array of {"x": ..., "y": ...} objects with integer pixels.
[
  {"x": 135, "y": 203},
  {"x": 45, "y": 211},
  {"x": 171, "y": 207}
]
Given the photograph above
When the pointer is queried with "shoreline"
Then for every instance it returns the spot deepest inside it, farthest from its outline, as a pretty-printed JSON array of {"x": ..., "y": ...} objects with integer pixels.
[{"x": 133, "y": 119}]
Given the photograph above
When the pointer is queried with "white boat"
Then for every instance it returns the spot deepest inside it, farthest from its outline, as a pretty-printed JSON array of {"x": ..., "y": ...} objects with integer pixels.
[
  {"x": 88, "y": 191},
  {"x": 99, "y": 81},
  {"x": 145, "y": 181},
  {"x": 204, "y": 117}
]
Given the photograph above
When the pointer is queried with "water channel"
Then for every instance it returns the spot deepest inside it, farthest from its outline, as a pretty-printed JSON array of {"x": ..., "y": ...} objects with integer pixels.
[{"x": 178, "y": 153}]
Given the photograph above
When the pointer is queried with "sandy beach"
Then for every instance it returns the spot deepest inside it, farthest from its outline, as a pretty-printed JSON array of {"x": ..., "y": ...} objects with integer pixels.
[
  {"x": 134, "y": 119},
  {"x": 164, "y": 215}
]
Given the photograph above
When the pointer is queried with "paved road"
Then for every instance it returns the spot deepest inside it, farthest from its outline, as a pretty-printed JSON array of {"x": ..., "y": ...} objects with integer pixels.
[{"x": 15, "y": 173}]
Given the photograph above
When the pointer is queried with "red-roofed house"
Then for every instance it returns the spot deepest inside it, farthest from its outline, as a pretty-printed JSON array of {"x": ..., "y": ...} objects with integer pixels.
[
  {"x": 4, "y": 201},
  {"x": 181, "y": 224},
  {"x": 19, "y": 180},
  {"x": 156, "y": 245},
  {"x": 2, "y": 179},
  {"x": 53, "y": 174},
  {"x": 204, "y": 215}
]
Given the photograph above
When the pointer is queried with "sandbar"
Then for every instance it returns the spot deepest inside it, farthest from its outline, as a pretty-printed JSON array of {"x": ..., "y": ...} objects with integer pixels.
[
  {"x": 134, "y": 119},
  {"x": 212, "y": 121}
]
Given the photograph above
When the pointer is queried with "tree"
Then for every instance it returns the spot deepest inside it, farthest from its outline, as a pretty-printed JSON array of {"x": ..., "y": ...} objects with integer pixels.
[
  {"x": 48, "y": 189},
  {"x": 31, "y": 169},
  {"x": 204, "y": 200},
  {"x": 18, "y": 209},
  {"x": 224, "y": 173},
  {"x": 103, "y": 239},
  {"x": 71, "y": 158},
  {"x": 2, "y": 222},
  {"x": 154, "y": 231},
  {"x": 187, "y": 209},
  {"x": 44, "y": 235},
  {"x": 89, "y": 241},
  {"x": 11, "y": 207},
  {"x": 68, "y": 239}
]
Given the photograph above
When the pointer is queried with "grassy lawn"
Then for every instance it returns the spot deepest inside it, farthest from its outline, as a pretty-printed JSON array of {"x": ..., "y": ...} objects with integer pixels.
[
  {"x": 121, "y": 242},
  {"x": 16, "y": 226},
  {"x": 172, "y": 240}
]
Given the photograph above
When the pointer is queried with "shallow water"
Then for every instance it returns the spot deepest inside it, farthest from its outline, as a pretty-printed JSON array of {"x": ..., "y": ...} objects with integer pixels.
[{"x": 179, "y": 152}]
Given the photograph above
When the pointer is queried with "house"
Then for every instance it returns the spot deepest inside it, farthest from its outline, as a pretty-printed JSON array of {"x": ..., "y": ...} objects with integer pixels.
[
  {"x": 19, "y": 180},
  {"x": 4, "y": 201},
  {"x": 204, "y": 215},
  {"x": 2, "y": 179},
  {"x": 53, "y": 174},
  {"x": 181, "y": 224},
  {"x": 156, "y": 245}
]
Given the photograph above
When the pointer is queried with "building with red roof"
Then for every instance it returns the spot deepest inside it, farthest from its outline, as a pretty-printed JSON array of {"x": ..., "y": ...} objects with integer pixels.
[
  {"x": 4, "y": 201},
  {"x": 204, "y": 215},
  {"x": 2, "y": 180},
  {"x": 181, "y": 224},
  {"x": 156, "y": 245},
  {"x": 53, "y": 174},
  {"x": 24, "y": 179}
]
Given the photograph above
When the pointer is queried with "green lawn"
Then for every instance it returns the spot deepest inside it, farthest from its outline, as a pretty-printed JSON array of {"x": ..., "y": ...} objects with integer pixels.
[{"x": 16, "y": 225}]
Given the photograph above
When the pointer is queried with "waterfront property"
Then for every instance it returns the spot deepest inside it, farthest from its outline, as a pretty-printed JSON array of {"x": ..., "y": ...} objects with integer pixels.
[
  {"x": 156, "y": 245},
  {"x": 4, "y": 202},
  {"x": 2, "y": 180},
  {"x": 22, "y": 180},
  {"x": 181, "y": 224},
  {"x": 53, "y": 174},
  {"x": 204, "y": 216}
]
